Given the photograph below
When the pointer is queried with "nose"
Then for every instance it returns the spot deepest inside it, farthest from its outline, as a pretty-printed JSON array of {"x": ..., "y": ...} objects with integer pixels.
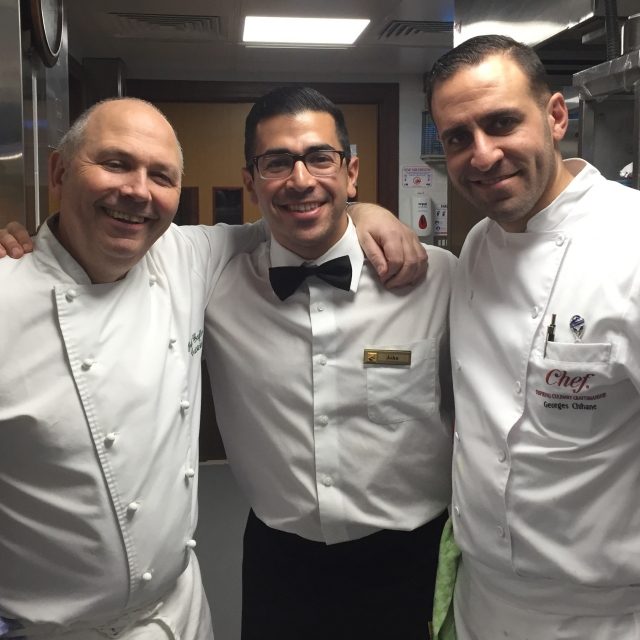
[
  {"x": 300, "y": 178},
  {"x": 485, "y": 152},
  {"x": 136, "y": 186}
]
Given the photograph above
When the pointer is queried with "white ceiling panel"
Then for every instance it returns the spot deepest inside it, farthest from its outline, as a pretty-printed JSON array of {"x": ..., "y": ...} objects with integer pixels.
[{"x": 200, "y": 39}]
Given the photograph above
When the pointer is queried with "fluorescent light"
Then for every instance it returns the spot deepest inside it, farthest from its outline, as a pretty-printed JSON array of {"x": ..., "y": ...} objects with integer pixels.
[{"x": 302, "y": 30}]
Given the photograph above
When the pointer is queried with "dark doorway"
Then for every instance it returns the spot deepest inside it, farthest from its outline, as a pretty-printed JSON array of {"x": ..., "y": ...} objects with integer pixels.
[{"x": 189, "y": 207}]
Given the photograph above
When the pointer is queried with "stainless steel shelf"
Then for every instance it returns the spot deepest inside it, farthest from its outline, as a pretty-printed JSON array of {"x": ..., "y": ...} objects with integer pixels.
[
  {"x": 613, "y": 76},
  {"x": 610, "y": 115}
]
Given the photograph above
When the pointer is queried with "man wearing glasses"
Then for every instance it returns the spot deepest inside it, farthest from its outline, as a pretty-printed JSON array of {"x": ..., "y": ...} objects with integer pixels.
[{"x": 333, "y": 397}]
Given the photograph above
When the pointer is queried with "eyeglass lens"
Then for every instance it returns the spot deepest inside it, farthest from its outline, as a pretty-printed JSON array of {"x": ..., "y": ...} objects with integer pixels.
[{"x": 324, "y": 162}]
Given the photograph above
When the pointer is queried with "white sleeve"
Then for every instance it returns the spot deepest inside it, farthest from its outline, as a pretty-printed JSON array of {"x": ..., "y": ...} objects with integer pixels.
[{"x": 216, "y": 245}]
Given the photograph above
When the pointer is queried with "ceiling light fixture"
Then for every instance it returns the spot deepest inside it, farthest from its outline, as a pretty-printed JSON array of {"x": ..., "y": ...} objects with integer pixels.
[{"x": 302, "y": 31}]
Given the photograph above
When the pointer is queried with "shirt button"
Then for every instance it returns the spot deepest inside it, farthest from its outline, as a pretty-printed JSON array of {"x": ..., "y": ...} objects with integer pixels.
[
  {"x": 456, "y": 510},
  {"x": 152, "y": 280},
  {"x": 322, "y": 360},
  {"x": 456, "y": 435},
  {"x": 323, "y": 421},
  {"x": 560, "y": 241},
  {"x": 71, "y": 295},
  {"x": 534, "y": 312},
  {"x": 327, "y": 481},
  {"x": 147, "y": 576},
  {"x": 518, "y": 386},
  {"x": 172, "y": 341},
  {"x": 109, "y": 439},
  {"x": 132, "y": 507},
  {"x": 320, "y": 307},
  {"x": 500, "y": 531},
  {"x": 458, "y": 365},
  {"x": 502, "y": 456},
  {"x": 191, "y": 544},
  {"x": 190, "y": 472},
  {"x": 184, "y": 406},
  {"x": 87, "y": 363}
]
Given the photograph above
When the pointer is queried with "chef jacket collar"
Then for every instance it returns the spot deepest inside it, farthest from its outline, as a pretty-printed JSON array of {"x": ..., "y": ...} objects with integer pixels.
[
  {"x": 56, "y": 257},
  {"x": 554, "y": 215}
]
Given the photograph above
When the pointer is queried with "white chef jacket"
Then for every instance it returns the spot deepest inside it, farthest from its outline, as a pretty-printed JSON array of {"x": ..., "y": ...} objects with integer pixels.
[
  {"x": 545, "y": 470},
  {"x": 99, "y": 416},
  {"x": 323, "y": 445}
]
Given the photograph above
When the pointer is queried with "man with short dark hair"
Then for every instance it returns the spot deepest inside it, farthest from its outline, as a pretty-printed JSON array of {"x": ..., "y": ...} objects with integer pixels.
[
  {"x": 336, "y": 412},
  {"x": 546, "y": 362}
]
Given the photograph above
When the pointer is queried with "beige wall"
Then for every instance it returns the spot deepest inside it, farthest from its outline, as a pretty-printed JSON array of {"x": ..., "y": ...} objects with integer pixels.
[{"x": 212, "y": 137}]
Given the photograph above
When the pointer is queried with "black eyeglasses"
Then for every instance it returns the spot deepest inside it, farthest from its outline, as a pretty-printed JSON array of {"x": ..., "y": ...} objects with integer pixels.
[{"x": 319, "y": 163}]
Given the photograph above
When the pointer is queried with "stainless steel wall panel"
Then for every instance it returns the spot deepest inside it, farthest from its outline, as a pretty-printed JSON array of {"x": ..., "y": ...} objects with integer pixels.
[{"x": 12, "y": 189}]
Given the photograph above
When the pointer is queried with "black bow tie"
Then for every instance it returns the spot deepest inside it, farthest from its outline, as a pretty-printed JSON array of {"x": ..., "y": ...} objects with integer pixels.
[{"x": 285, "y": 280}]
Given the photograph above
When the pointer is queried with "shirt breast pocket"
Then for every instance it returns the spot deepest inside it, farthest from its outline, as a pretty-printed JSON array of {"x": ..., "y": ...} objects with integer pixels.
[{"x": 396, "y": 393}]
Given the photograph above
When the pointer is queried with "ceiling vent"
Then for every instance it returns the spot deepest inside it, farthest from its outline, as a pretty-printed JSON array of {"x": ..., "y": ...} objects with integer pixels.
[
  {"x": 416, "y": 33},
  {"x": 160, "y": 26}
]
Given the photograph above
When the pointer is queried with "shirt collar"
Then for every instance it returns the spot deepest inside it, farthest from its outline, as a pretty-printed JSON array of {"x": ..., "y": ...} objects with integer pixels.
[{"x": 348, "y": 245}]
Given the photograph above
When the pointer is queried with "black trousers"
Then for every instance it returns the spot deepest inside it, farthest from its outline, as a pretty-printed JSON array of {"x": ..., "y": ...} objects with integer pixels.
[{"x": 375, "y": 588}]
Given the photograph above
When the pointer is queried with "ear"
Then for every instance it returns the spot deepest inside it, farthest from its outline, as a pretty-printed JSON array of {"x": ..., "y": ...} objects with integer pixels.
[
  {"x": 56, "y": 173},
  {"x": 557, "y": 116},
  {"x": 352, "y": 176},
  {"x": 247, "y": 179}
]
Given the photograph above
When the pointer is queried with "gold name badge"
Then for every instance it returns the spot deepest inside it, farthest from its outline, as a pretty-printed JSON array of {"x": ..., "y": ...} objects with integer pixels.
[{"x": 386, "y": 357}]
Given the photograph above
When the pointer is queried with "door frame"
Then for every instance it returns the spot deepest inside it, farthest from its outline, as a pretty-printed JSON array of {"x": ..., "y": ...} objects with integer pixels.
[{"x": 386, "y": 96}]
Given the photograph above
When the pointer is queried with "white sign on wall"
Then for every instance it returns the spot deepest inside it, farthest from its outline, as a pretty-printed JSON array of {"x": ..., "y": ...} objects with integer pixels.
[
  {"x": 440, "y": 220},
  {"x": 416, "y": 175}
]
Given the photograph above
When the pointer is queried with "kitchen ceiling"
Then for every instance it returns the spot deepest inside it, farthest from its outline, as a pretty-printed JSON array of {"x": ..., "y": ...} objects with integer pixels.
[{"x": 201, "y": 39}]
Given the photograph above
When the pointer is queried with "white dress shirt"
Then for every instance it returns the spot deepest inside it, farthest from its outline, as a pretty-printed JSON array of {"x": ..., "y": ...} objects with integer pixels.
[
  {"x": 323, "y": 445},
  {"x": 99, "y": 418},
  {"x": 547, "y": 443}
]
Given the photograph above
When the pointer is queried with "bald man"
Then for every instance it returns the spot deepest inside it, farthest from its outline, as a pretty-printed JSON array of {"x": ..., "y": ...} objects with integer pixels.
[{"x": 99, "y": 410}]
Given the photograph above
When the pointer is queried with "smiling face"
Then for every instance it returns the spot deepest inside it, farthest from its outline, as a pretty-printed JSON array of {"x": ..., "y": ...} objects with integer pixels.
[
  {"x": 500, "y": 141},
  {"x": 306, "y": 214},
  {"x": 120, "y": 190}
]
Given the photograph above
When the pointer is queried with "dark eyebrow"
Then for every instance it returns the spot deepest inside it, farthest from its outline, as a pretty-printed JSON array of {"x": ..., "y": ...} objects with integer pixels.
[
  {"x": 502, "y": 113},
  {"x": 484, "y": 121},
  {"x": 453, "y": 131},
  {"x": 314, "y": 147}
]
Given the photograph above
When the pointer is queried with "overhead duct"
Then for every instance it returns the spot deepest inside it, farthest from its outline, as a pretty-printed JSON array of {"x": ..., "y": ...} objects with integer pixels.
[
  {"x": 167, "y": 27},
  {"x": 525, "y": 21}
]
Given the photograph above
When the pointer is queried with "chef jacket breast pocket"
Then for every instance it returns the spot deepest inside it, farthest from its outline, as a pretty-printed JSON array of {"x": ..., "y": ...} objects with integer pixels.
[
  {"x": 396, "y": 393},
  {"x": 598, "y": 353},
  {"x": 574, "y": 386}
]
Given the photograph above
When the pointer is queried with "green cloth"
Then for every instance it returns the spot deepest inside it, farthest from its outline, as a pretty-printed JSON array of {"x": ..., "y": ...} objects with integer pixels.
[{"x": 443, "y": 623}]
